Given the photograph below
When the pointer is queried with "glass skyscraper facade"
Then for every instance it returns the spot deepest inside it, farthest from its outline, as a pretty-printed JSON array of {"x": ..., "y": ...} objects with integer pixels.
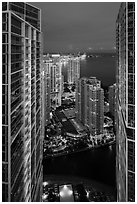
[
  {"x": 21, "y": 103},
  {"x": 125, "y": 96}
]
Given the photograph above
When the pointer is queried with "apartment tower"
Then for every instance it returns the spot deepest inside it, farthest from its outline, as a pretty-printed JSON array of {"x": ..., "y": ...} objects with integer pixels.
[
  {"x": 21, "y": 103},
  {"x": 47, "y": 63},
  {"x": 53, "y": 67},
  {"x": 73, "y": 70},
  {"x": 90, "y": 104},
  {"x": 125, "y": 96}
]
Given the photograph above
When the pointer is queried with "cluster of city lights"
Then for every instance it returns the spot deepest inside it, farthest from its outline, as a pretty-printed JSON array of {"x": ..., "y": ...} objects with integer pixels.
[{"x": 65, "y": 191}]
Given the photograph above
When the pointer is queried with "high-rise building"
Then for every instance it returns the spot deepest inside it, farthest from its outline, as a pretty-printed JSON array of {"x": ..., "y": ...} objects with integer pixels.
[
  {"x": 90, "y": 104},
  {"x": 112, "y": 99},
  {"x": 125, "y": 129},
  {"x": 21, "y": 103},
  {"x": 47, "y": 89},
  {"x": 53, "y": 66},
  {"x": 56, "y": 83},
  {"x": 73, "y": 70}
]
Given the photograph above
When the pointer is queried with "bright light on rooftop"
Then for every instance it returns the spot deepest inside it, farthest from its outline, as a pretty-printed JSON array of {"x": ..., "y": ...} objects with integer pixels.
[{"x": 45, "y": 183}]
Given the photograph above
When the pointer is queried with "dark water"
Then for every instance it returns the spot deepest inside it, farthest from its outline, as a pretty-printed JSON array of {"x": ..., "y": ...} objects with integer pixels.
[
  {"x": 97, "y": 164},
  {"x": 103, "y": 67}
]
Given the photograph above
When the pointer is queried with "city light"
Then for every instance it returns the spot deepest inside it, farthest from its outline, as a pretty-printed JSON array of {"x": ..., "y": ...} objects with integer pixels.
[
  {"x": 70, "y": 192},
  {"x": 44, "y": 196},
  {"x": 65, "y": 187},
  {"x": 88, "y": 194},
  {"x": 62, "y": 193},
  {"x": 45, "y": 183},
  {"x": 66, "y": 191}
]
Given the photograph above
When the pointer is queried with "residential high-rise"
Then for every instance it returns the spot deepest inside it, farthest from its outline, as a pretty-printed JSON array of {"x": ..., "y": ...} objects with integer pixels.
[
  {"x": 125, "y": 81},
  {"x": 112, "y": 99},
  {"x": 54, "y": 67},
  {"x": 56, "y": 83},
  {"x": 21, "y": 103},
  {"x": 47, "y": 63},
  {"x": 90, "y": 104},
  {"x": 73, "y": 70}
]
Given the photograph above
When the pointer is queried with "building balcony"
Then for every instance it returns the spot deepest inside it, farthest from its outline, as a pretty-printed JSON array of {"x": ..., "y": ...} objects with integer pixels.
[
  {"x": 17, "y": 114},
  {"x": 37, "y": 106},
  {"x": 32, "y": 99},
  {"x": 38, "y": 93},
  {"x": 16, "y": 148},
  {"x": 16, "y": 42},
  {"x": 37, "y": 44},
  {"x": 16, "y": 85},
  {"x": 27, "y": 78},
  {"x": 32, "y": 74},
  {"x": 16, "y": 102},
  {"x": 16, "y": 130},
  {"x": 17, "y": 76},
  {"x": 17, "y": 123},
  {"x": 17, "y": 50},
  {"x": 27, "y": 51},
  {"x": 32, "y": 85},
  {"x": 16, "y": 67},
  {"x": 27, "y": 70},
  {"x": 15, "y": 94},
  {"x": 16, "y": 163},
  {"x": 37, "y": 76},
  {"x": 16, "y": 59},
  {"x": 32, "y": 58},
  {"x": 27, "y": 113},
  {"x": 33, "y": 45},
  {"x": 27, "y": 92}
]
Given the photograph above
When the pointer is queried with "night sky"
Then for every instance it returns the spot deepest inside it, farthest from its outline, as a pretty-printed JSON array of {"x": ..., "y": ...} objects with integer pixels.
[{"x": 78, "y": 26}]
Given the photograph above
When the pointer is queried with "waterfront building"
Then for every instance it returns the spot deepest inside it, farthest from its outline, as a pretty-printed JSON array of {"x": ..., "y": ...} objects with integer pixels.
[
  {"x": 53, "y": 67},
  {"x": 21, "y": 103},
  {"x": 90, "y": 104},
  {"x": 125, "y": 124},
  {"x": 47, "y": 89},
  {"x": 73, "y": 70},
  {"x": 56, "y": 83},
  {"x": 112, "y": 99}
]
